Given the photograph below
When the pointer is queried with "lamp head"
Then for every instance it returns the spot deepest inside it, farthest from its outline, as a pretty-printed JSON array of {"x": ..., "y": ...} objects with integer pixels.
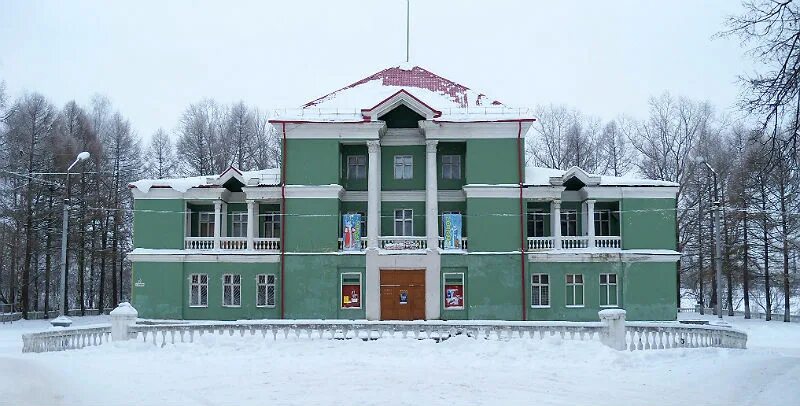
[{"x": 83, "y": 156}]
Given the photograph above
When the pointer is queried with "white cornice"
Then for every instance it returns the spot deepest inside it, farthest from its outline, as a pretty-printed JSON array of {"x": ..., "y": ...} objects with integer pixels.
[
  {"x": 621, "y": 192},
  {"x": 404, "y": 196},
  {"x": 262, "y": 193},
  {"x": 542, "y": 192},
  {"x": 605, "y": 256},
  {"x": 460, "y": 131},
  {"x": 496, "y": 191},
  {"x": 154, "y": 255},
  {"x": 333, "y": 130},
  {"x": 314, "y": 192}
]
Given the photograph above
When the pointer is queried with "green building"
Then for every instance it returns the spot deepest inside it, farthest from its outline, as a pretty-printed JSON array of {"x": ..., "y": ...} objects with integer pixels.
[{"x": 412, "y": 154}]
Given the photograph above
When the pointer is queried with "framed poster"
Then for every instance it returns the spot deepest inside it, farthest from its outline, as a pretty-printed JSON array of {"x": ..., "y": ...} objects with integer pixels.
[
  {"x": 453, "y": 291},
  {"x": 351, "y": 291},
  {"x": 351, "y": 232}
]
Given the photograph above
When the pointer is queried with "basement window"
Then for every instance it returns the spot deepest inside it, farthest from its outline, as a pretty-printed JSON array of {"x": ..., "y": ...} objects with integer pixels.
[{"x": 351, "y": 290}]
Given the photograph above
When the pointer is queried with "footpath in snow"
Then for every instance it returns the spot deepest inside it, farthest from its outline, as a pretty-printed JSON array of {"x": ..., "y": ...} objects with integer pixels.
[{"x": 223, "y": 370}]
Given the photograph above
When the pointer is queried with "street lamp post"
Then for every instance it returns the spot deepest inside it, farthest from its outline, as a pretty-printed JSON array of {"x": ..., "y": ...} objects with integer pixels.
[
  {"x": 717, "y": 207},
  {"x": 62, "y": 320}
]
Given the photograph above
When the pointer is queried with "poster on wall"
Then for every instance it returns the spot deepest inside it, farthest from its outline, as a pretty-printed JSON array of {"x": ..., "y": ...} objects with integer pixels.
[
  {"x": 351, "y": 232},
  {"x": 451, "y": 225},
  {"x": 453, "y": 296},
  {"x": 351, "y": 295}
]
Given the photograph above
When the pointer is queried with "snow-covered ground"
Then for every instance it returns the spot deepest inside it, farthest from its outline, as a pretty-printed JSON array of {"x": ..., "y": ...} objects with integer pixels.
[{"x": 250, "y": 370}]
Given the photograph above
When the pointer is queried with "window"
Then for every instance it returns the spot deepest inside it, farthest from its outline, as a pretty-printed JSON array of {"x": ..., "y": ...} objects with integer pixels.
[
  {"x": 231, "y": 290},
  {"x": 453, "y": 290},
  {"x": 569, "y": 223},
  {"x": 239, "y": 224},
  {"x": 536, "y": 223},
  {"x": 198, "y": 292},
  {"x": 265, "y": 290},
  {"x": 351, "y": 290},
  {"x": 608, "y": 290},
  {"x": 540, "y": 290},
  {"x": 272, "y": 224},
  {"x": 403, "y": 167},
  {"x": 403, "y": 222},
  {"x": 602, "y": 222},
  {"x": 206, "y": 224},
  {"x": 451, "y": 166},
  {"x": 574, "y": 290},
  {"x": 357, "y": 167}
]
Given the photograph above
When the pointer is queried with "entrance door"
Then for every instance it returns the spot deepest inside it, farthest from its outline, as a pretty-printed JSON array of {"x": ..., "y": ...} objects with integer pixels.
[{"x": 402, "y": 294}]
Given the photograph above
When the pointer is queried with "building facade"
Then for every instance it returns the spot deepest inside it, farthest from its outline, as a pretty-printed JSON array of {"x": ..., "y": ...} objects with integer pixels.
[{"x": 404, "y": 196}]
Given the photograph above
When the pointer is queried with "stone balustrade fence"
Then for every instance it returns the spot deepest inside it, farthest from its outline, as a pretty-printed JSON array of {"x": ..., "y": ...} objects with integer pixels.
[{"x": 612, "y": 331}]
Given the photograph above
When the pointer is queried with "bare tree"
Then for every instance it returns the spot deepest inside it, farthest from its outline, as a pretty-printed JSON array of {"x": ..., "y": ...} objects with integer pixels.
[{"x": 160, "y": 157}]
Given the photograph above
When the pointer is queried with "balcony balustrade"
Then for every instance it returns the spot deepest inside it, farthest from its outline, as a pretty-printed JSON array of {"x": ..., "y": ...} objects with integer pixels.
[
  {"x": 231, "y": 244},
  {"x": 463, "y": 243},
  {"x": 402, "y": 243},
  {"x": 574, "y": 242}
]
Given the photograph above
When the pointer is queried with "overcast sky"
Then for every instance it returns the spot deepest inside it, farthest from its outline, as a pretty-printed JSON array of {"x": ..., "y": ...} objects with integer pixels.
[{"x": 153, "y": 58}]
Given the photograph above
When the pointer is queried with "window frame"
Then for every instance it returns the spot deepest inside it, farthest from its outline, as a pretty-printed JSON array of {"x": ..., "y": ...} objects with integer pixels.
[
  {"x": 463, "y": 278},
  {"x": 357, "y": 169},
  {"x": 403, "y": 220},
  {"x": 540, "y": 285},
  {"x": 607, "y": 285},
  {"x": 208, "y": 222},
  {"x": 271, "y": 218},
  {"x": 406, "y": 166},
  {"x": 360, "y": 290},
  {"x": 536, "y": 216},
  {"x": 574, "y": 285},
  {"x": 266, "y": 284},
  {"x": 569, "y": 216},
  {"x": 599, "y": 220},
  {"x": 199, "y": 284},
  {"x": 235, "y": 221},
  {"x": 231, "y": 285},
  {"x": 452, "y": 165}
]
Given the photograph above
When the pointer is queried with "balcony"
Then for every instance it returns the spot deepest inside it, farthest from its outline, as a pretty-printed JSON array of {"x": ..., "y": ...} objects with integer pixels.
[
  {"x": 232, "y": 244},
  {"x": 574, "y": 242},
  {"x": 463, "y": 244},
  {"x": 402, "y": 243}
]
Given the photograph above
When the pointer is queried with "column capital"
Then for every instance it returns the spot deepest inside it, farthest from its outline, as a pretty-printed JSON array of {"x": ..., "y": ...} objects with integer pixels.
[
  {"x": 430, "y": 146},
  {"x": 373, "y": 146},
  {"x": 556, "y": 203},
  {"x": 217, "y": 203},
  {"x": 590, "y": 201}
]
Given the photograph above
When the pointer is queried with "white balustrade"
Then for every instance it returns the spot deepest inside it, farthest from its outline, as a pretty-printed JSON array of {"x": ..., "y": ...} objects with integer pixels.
[
  {"x": 198, "y": 243},
  {"x": 571, "y": 242},
  {"x": 540, "y": 243},
  {"x": 233, "y": 243},
  {"x": 403, "y": 243},
  {"x": 363, "y": 244},
  {"x": 267, "y": 244},
  {"x": 462, "y": 244},
  {"x": 608, "y": 241}
]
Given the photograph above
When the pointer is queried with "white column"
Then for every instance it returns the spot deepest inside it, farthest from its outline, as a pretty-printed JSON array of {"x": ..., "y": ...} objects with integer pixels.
[
  {"x": 217, "y": 222},
  {"x": 252, "y": 223},
  {"x": 373, "y": 194},
  {"x": 555, "y": 223},
  {"x": 431, "y": 195},
  {"x": 590, "y": 232}
]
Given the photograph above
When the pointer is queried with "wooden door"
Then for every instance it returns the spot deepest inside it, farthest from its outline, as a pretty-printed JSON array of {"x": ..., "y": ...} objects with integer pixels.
[{"x": 402, "y": 294}]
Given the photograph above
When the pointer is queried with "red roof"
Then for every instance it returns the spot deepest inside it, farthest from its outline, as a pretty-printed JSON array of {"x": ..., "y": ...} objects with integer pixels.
[{"x": 419, "y": 78}]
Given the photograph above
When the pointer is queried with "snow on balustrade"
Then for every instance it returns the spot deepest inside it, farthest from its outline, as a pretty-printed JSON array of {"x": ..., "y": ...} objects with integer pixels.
[
  {"x": 655, "y": 335},
  {"x": 66, "y": 339},
  {"x": 607, "y": 242},
  {"x": 540, "y": 243},
  {"x": 267, "y": 244},
  {"x": 198, "y": 243},
  {"x": 403, "y": 243}
]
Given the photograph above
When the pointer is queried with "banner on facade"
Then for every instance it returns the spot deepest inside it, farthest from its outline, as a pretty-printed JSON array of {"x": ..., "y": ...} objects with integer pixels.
[
  {"x": 453, "y": 296},
  {"x": 451, "y": 226},
  {"x": 351, "y": 232}
]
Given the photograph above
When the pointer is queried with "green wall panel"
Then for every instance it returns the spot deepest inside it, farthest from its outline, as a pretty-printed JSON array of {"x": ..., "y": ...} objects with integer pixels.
[
  {"x": 312, "y": 162},
  {"x": 492, "y": 161},
  {"x": 312, "y": 225},
  {"x": 162, "y": 296},
  {"x": 493, "y": 287},
  {"x": 388, "y": 182},
  {"x": 494, "y": 224},
  {"x": 313, "y": 283},
  {"x": 648, "y": 224},
  {"x": 158, "y": 223},
  {"x": 650, "y": 291},
  {"x": 557, "y": 272}
]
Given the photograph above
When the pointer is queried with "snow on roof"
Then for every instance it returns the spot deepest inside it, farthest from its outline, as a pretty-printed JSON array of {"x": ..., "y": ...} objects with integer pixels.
[
  {"x": 263, "y": 177},
  {"x": 539, "y": 176},
  {"x": 456, "y": 102}
]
